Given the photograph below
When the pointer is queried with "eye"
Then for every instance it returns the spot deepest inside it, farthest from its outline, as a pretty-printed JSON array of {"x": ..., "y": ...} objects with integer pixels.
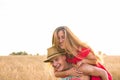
[
  {"x": 56, "y": 59},
  {"x": 51, "y": 62}
]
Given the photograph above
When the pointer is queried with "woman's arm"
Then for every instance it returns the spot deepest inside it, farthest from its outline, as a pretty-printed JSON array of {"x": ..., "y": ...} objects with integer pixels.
[
  {"x": 89, "y": 59},
  {"x": 87, "y": 56}
]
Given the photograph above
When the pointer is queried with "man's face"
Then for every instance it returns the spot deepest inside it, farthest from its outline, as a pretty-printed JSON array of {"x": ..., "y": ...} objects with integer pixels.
[{"x": 59, "y": 62}]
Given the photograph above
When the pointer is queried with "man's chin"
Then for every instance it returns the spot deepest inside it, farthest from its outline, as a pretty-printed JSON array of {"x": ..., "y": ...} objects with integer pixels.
[{"x": 60, "y": 69}]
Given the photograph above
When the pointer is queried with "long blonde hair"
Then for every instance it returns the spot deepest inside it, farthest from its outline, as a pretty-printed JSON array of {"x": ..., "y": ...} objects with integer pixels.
[{"x": 72, "y": 42}]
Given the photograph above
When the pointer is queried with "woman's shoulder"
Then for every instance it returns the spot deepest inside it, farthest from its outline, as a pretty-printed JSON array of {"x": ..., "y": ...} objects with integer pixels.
[
  {"x": 83, "y": 52},
  {"x": 83, "y": 49}
]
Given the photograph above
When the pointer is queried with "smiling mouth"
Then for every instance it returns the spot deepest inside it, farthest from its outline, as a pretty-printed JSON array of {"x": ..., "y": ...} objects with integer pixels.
[{"x": 57, "y": 66}]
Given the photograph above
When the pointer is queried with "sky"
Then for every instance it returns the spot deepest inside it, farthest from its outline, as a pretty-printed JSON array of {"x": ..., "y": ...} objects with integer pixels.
[{"x": 28, "y": 25}]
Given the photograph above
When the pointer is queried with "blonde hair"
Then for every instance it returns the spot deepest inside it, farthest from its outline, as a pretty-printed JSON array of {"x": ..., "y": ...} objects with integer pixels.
[{"x": 72, "y": 42}]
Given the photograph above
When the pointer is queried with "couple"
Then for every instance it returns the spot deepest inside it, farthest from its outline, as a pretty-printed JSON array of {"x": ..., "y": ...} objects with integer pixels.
[{"x": 74, "y": 60}]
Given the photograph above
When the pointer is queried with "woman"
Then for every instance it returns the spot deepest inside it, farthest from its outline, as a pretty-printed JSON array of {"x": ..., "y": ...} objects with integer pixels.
[{"x": 78, "y": 52}]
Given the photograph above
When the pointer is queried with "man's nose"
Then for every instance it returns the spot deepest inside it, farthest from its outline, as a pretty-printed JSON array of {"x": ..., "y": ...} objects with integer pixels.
[{"x": 54, "y": 64}]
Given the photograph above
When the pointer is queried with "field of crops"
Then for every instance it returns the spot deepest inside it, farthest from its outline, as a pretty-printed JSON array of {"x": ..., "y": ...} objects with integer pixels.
[{"x": 33, "y": 68}]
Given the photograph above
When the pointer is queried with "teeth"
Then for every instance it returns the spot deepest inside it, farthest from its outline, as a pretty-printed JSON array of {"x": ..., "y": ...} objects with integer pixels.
[{"x": 58, "y": 66}]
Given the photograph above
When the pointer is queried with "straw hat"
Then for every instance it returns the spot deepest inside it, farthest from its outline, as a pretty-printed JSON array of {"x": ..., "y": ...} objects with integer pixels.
[{"x": 53, "y": 52}]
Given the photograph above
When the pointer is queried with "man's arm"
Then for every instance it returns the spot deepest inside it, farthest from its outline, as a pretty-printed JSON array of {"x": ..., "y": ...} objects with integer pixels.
[
  {"x": 71, "y": 72},
  {"x": 89, "y": 61},
  {"x": 93, "y": 71}
]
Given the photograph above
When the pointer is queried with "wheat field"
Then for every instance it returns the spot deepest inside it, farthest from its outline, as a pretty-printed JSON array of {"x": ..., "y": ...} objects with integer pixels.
[{"x": 33, "y": 68}]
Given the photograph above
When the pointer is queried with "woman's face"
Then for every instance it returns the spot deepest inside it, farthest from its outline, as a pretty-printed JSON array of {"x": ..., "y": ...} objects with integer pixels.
[{"x": 61, "y": 37}]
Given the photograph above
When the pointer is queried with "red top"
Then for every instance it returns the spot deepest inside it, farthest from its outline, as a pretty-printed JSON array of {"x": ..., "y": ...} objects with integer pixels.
[{"x": 81, "y": 55}]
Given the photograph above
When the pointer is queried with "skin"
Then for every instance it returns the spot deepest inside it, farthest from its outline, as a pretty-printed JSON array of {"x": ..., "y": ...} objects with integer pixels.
[
  {"x": 59, "y": 64},
  {"x": 90, "y": 59}
]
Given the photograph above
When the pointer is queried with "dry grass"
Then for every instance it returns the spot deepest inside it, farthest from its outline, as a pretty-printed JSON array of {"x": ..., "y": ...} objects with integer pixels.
[
  {"x": 112, "y": 63},
  {"x": 24, "y": 68},
  {"x": 33, "y": 68}
]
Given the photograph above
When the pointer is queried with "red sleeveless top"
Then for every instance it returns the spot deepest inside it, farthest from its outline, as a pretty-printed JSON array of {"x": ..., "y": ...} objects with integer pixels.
[{"x": 81, "y": 55}]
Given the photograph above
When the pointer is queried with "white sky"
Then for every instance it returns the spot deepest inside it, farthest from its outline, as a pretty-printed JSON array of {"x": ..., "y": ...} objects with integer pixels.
[{"x": 28, "y": 25}]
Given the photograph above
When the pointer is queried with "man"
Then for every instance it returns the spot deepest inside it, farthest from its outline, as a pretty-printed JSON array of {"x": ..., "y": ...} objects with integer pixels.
[{"x": 69, "y": 72}]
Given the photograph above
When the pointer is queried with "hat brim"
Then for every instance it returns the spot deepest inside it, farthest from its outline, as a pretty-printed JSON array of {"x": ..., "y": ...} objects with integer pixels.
[{"x": 49, "y": 58}]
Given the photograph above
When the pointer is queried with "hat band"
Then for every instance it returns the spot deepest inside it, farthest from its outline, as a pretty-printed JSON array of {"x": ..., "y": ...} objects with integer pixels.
[{"x": 55, "y": 53}]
